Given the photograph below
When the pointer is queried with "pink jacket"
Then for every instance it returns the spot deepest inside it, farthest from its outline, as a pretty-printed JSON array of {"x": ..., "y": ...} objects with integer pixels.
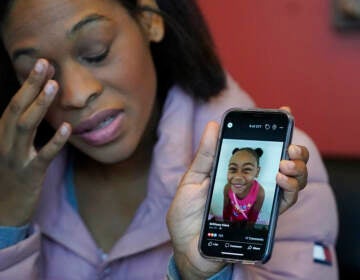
[{"x": 61, "y": 247}]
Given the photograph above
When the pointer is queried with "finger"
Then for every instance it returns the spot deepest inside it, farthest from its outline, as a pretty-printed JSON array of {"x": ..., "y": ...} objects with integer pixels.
[
  {"x": 28, "y": 91},
  {"x": 202, "y": 163},
  {"x": 286, "y": 108},
  {"x": 292, "y": 168},
  {"x": 50, "y": 72},
  {"x": 52, "y": 148},
  {"x": 29, "y": 121},
  {"x": 298, "y": 152},
  {"x": 296, "y": 169},
  {"x": 290, "y": 191},
  {"x": 22, "y": 99}
]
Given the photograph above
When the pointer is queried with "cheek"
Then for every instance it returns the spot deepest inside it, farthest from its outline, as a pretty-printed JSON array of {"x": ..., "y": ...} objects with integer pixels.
[
  {"x": 135, "y": 80},
  {"x": 250, "y": 178}
]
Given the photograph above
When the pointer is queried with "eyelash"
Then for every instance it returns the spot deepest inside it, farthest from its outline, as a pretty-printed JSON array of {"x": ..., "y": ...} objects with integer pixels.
[{"x": 98, "y": 58}]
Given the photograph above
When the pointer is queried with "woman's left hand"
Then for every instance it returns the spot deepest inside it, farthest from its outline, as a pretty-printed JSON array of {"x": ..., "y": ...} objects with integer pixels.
[
  {"x": 187, "y": 209},
  {"x": 292, "y": 176}
]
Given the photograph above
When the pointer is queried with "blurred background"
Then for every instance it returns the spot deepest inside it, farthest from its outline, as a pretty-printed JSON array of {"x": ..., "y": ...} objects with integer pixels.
[{"x": 304, "y": 54}]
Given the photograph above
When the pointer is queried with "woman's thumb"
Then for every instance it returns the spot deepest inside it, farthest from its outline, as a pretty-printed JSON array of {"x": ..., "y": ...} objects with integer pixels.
[{"x": 201, "y": 166}]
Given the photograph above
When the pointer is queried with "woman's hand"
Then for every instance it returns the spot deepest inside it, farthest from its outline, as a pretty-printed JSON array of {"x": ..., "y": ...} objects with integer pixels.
[
  {"x": 187, "y": 209},
  {"x": 292, "y": 176},
  {"x": 22, "y": 167},
  {"x": 186, "y": 212}
]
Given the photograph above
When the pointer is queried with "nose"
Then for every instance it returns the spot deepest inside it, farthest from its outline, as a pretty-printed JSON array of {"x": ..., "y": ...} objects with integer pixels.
[
  {"x": 238, "y": 178},
  {"x": 78, "y": 85}
]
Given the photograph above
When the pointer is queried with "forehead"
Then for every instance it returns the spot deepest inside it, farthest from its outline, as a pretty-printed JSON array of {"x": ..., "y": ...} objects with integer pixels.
[
  {"x": 52, "y": 17},
  {"x": 243, "y": 156}
]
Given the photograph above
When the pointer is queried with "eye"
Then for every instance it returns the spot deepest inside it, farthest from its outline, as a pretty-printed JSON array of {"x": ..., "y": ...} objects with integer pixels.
[
  {"x": 93, "y": 59},
  {"x": 232, "y": 169},
  {"x": 247, "y": 170}
]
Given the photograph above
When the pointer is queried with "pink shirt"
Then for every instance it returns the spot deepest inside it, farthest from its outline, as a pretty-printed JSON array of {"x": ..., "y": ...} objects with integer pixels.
[
  {"x": 242, "y": 209},
  {"x": 61, "y": 247}
]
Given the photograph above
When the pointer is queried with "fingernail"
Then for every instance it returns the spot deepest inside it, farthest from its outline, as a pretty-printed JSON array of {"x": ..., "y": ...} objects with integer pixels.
[
  {"x": 296, "y": 149},
  {"x": 64, "y": 130},
  {"x": 50, "y": 89},
  {"x": 39, "y": 66}
]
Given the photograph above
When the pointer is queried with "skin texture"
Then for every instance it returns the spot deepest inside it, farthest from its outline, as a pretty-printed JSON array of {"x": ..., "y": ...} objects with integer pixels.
[{"x": 91, "y": 56}]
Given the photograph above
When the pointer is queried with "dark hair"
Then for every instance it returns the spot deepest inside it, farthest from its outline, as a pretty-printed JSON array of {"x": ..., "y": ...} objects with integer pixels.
[
  {"x": 186, "y": 55},
  {"x": 257, "y": 153}
]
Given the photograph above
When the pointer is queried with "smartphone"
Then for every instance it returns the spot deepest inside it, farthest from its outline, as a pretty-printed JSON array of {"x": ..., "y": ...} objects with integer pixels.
[{"x": 243, "y": 200}]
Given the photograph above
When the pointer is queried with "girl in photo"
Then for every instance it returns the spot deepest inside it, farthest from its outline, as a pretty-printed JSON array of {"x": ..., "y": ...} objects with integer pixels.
[{"x": 243, "y": 195}]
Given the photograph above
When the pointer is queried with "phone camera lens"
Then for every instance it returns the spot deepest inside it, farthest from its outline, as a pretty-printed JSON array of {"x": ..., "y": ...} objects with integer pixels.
[
  {"x": 267, "y": 126},
  {"x": 230, "y": 125}
]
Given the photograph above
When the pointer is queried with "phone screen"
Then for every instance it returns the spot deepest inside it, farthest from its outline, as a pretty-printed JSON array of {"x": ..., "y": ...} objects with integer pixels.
[{"x": 242, "y": 204}]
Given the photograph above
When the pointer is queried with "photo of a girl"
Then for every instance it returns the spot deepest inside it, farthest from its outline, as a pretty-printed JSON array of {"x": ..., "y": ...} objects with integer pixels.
[{"x": 243, "y": 194}]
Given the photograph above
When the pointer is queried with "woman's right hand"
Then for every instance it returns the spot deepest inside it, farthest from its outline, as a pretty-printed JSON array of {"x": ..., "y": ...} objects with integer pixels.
[{"x": 22, "y": 167}]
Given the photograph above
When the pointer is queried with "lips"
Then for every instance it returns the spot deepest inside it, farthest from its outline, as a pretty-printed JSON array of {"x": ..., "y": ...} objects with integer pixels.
[
  {"x": 101, "y": 128},
  {"x": 238, "y": 186}
]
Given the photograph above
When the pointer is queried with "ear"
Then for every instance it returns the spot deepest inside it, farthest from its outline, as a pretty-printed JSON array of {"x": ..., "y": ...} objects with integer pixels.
[{"x": 151, "y": 22}]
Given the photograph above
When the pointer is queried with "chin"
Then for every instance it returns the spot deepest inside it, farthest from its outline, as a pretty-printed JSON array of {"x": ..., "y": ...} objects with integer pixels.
[
  {"x": 111, "y": 159},
  {"x": 112, "y": 156},
  {"x": 108, "y": 154}
]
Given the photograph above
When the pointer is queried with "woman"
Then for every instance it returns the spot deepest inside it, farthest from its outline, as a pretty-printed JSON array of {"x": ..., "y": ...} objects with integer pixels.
[{"x": 98, "y": 72}]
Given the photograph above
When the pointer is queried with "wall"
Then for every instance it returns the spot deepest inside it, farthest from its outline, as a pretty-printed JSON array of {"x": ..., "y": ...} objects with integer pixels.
[{"x": 287, "y": 52}]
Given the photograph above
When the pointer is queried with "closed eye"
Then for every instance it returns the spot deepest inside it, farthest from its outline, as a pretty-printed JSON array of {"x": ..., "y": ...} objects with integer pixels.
[{"x": 97, "y": 58}]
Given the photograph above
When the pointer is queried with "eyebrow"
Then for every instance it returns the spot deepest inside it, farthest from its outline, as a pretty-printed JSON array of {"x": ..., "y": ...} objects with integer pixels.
[
  {"x": 83, "y": 22},
  {"x": 248, "y": 164},
  {"x": 86, "y": 20},
  {"x": 245, "y": 164}
]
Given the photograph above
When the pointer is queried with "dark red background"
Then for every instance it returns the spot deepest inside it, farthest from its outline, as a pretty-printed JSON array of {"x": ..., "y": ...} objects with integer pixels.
[{"x": 287, "y": 52}]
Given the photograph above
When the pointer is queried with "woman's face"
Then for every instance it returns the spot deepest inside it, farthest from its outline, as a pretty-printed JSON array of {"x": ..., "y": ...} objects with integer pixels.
[
  {"x": 103, "y": 65},
  {"x": 242, "y": 171}
]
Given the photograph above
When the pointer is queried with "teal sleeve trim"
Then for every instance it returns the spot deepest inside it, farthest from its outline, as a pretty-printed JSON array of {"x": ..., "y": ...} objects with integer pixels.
[
  {"x": 70, "y": 187},
  {"x": 10, "y": 236}
]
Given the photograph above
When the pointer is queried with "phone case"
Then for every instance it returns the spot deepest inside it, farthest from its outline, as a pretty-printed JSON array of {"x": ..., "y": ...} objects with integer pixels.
[{"x": 205, "y": 234}]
